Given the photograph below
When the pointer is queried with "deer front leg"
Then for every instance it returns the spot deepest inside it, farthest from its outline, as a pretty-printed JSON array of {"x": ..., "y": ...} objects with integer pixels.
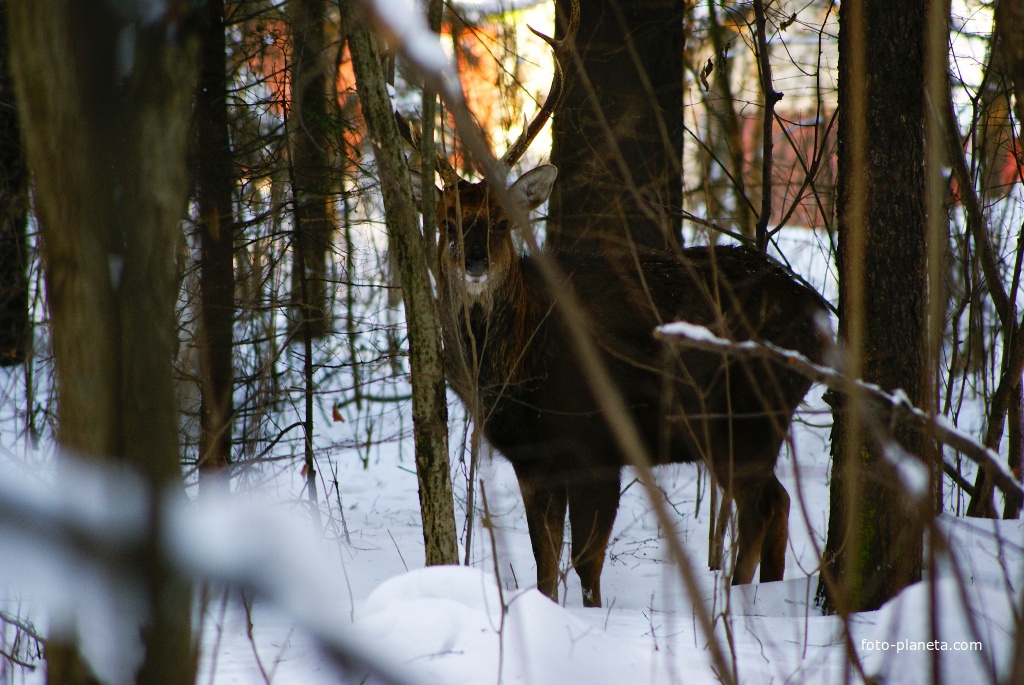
[
  {"x": 545, "y": 503},
  {"x": 593, "y": 504}
]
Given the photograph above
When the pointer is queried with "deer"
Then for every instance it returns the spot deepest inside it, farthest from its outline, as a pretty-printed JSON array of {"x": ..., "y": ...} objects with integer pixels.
[{"x": 509, "y": 356}]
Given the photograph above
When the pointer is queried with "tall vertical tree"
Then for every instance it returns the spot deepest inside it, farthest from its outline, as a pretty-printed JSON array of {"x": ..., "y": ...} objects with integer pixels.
[
  {"x": 311, "y": 164},
  {"x": 617, "y": 136},
  {"x": 14, "y": 318},
  {"x": 1009, "y": 30},
  {"x": 216, "y": 238},
  {"x": 429, "y": 402},
  {"x": 724, "y": 123},
  {"x": 105, "y": 95},
  {"x": 874, "y": 544}
]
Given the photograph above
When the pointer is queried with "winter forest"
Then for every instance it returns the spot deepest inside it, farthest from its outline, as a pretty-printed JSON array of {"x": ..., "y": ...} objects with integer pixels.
[{"x": 511, "y": 341}]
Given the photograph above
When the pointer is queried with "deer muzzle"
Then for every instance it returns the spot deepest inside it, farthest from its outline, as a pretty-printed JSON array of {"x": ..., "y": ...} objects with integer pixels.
[{"x": 476, "y": 263}]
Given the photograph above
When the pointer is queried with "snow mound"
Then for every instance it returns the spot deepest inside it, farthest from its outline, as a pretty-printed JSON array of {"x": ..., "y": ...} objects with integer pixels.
[
  {"x": 445, "y": 625},
  {"x": 975, "y": 641}
]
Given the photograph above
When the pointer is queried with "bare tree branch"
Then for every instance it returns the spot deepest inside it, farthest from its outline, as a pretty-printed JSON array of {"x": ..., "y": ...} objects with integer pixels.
[
  {"x": 896, "y": 404},
  {"x": 1013, "y": 349}
]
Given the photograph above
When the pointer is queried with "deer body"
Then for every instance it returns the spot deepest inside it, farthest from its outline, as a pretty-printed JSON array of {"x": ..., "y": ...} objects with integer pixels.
[{"x": 509, "y": 355}]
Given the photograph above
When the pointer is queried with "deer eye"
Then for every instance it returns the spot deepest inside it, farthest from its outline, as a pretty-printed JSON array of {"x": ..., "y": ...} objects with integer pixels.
[{"x": 453, "y": 248}]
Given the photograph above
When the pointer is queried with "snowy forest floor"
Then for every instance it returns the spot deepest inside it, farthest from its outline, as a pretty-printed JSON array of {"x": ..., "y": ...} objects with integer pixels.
[
  {"x": 443, "y": 625},
  {"x": 446, "y": 625}
]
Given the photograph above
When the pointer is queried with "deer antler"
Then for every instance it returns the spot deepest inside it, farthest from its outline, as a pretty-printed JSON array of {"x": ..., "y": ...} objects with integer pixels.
[
  {"x": 448, "y": 174},
  {"x": 562, "y": 49}
]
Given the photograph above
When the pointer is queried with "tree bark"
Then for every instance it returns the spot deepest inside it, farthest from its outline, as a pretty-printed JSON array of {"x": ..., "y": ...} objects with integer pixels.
[
  {"x": 617, "y": 135},
  {"x": 874, "y": 545},
  {"x": 429, "y": 402},
  {"x": 216, "y": 237},
  {"x": 105, "y": 98},
  {"x": 724, "y": 123},
  {"x": 14, "y": 315},
  {"x": 311, "y": 163},
  {"x": 1009, "y": 32}
]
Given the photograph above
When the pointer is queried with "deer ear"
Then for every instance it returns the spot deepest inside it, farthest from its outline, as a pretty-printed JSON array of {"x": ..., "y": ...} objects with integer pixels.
[
  {"x": 417, "y": 189},
  {"x": 534, "y": 186}
]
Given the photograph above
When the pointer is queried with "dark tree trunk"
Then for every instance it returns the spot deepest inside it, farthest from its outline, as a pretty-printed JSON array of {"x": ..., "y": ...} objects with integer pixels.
[
  {"x": 216, "y": 236},
  {"x": 14, "y": 319},
  {"x": 1009, "y": 16},
  {"x": 311, "y": 163},
  {"x": 106, "y": 136},
  {"x": 726, "y": 139},
  {"x": 874, "y": 544},
  {"x": 618, "y": 132}
]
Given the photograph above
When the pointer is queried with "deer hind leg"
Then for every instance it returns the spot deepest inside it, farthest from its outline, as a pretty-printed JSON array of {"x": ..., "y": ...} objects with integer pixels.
[
  {"x": 776, "y": 538},
  {"x": 762, "y": 524},
  {"x": 593, "y": 503},
  {"x": 745, "y": 465},
  {"x": 545, "y": 501}
]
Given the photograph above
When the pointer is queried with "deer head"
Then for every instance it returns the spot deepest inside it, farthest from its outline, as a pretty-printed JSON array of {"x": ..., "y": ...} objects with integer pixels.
[{"x": 475, "y": 248}]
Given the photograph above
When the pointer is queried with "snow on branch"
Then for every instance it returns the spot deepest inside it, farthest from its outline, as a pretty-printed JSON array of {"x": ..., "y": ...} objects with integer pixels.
[
  {"x": 405, "y": 27},
  {"x": 897, "y": 403}
]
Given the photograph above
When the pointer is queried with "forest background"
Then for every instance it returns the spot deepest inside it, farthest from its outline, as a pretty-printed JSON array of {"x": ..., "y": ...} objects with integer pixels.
[{"x": 203, "y": 280}]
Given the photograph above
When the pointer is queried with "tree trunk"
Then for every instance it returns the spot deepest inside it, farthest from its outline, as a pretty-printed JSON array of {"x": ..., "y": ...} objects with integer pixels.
[
  {"x": 429, "y": 402},
  {"x": 724, "y": 125},
  {"x": 618, "y": 132},
  {"x": 216, "y": 236},
  {"x": 14, "y": 318},
  {"x": 874, "y": 545},
  {"x": 1009, "y": 30},
  {"x": 311, "y": 164},
  {"x": 106, "y": 135}
]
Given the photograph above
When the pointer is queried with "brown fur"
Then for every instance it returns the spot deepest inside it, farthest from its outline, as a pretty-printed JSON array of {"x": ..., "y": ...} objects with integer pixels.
[{"x": 509, "y": 356}]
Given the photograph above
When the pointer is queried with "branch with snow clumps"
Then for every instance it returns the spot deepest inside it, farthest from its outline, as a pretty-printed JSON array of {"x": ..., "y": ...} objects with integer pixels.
[{"x": 899, "y": 405}]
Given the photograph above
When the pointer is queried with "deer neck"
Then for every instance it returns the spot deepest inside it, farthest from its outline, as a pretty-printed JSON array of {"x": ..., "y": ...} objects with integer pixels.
[{"x": 485, "y": 336}]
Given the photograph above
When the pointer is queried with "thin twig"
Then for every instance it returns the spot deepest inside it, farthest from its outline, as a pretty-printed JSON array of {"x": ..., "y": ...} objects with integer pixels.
[
  {"x": 398, "y": 550},
  {"x": 487, "y": 523},
  {"x": 246, "y": 604},
  {"x": 23, "y": 625},
  {"x": 16, "y": 661},
  {"x": 474, "y": 460}
]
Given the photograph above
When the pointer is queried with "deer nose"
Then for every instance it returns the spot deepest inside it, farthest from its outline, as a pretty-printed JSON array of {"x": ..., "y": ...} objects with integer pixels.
[{"x": 476, "y": 262}]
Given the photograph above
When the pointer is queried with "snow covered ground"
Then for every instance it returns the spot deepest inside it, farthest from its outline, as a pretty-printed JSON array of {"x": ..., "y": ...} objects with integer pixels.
[
  {"x": 446, "y": 625},
  {"x": 363, "y": 581}
]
